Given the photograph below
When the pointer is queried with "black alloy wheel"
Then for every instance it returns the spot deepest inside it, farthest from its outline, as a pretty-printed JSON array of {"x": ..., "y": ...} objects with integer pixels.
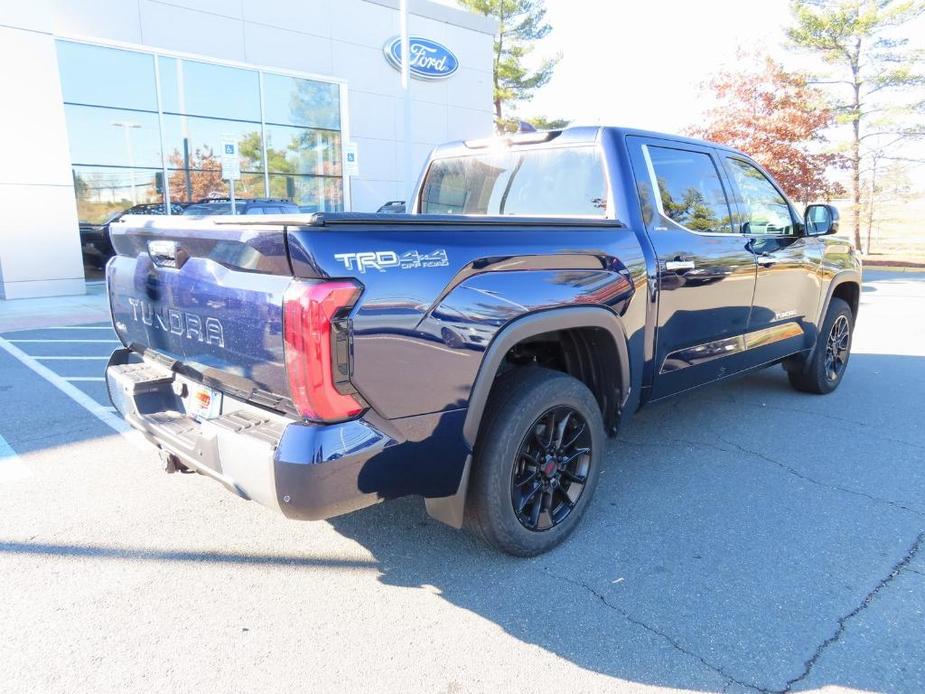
[
  {"x": 836, "y": 348},
  {"x": 551, "y": 470},
  {"x": 822, "y": 370},
  {"x": 537, "y": 460}
]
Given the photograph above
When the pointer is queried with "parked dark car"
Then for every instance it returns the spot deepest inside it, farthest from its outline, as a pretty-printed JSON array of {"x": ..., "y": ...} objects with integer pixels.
[
  {"x": 94, "y": 238},
  {"x": 478, "y": 351},
  {"x": 221, "y": 206},
  {"x": 392, "y": 207}
]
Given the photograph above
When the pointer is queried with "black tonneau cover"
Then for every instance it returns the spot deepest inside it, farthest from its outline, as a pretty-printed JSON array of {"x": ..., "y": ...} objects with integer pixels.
[{"x": 323, "y": 219}]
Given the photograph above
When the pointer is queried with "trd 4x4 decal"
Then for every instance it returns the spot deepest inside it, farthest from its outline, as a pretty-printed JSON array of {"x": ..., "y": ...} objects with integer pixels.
[{"x": 383, "y": 260}]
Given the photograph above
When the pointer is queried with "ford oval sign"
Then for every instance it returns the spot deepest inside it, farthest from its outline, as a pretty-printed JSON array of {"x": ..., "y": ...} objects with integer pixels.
[{"x": 429, "y": 60}]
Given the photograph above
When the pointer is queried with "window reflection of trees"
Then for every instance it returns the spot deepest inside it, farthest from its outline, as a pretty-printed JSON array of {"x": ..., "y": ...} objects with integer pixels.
[
  {"x": 692, "y": 210},
  {"x": 768, "y": 212},
  {"x": 198, "y": 105}
]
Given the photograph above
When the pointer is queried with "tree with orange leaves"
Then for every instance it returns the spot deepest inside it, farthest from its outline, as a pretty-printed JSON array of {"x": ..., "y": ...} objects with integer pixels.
[{"x": 779, "y": 119}]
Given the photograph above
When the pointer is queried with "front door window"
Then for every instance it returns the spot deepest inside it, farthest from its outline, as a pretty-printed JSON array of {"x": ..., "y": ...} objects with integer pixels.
[{"x": 766, "y": 211}]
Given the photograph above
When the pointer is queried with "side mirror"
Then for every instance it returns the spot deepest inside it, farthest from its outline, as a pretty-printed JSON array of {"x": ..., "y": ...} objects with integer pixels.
[{"x": 820, "y": 220}]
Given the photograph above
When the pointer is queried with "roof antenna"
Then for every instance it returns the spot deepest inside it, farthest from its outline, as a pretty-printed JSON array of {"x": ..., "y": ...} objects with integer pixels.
[{"x": 524, "y": 127}]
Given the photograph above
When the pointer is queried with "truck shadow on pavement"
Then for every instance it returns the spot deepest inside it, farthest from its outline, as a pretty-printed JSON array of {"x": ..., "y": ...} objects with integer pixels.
[{"x": 743, "y": 536}]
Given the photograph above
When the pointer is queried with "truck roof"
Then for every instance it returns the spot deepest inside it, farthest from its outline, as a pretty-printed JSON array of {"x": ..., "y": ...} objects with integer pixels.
[{"x": 572, "y": 135}]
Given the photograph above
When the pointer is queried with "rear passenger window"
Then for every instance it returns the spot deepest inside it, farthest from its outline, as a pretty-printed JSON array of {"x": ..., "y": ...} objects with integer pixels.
[
  {"x": 766, "y": 209},
  {"x": 552, "y": 182},
  {"x": 689, "y": 189}
]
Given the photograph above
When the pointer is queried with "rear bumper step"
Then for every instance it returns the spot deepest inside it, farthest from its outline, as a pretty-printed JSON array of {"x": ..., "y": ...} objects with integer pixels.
[{"x": 295, "y": 467}]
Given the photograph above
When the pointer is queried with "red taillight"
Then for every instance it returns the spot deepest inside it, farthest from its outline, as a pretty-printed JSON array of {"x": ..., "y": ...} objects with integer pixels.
[{"x": 308, "y": 312}]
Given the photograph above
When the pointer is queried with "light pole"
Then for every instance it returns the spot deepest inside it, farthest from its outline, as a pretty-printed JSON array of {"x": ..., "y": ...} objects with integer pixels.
[
  {"x": 126, "y": 127},
  {"x": 407, "y": 150}
]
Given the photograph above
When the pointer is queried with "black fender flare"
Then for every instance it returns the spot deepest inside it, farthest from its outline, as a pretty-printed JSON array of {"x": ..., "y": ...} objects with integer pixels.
[
  {"x": 451, "y": 509},
  {"x": 840, "y": 277}
]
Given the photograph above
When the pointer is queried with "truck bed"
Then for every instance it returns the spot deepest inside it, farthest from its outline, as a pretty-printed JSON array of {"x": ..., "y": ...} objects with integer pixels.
[{"x": 434, "y": 288}]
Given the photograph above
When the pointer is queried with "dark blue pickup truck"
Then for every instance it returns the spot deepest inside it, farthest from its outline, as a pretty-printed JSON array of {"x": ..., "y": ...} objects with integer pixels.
[{"x": 479, "y": 350}]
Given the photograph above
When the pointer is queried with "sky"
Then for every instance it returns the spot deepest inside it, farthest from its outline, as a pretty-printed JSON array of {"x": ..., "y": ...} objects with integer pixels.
[{"x": 641, "y": 64}]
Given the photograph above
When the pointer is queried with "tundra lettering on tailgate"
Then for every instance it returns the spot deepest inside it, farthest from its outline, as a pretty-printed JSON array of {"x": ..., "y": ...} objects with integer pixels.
[{"x": 183, "y": 323}]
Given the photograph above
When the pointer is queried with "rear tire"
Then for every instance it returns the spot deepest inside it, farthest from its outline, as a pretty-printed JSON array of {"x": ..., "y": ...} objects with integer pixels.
[
  {"x": 823, "y": 372},
  {"x": 537, "y": 461}
]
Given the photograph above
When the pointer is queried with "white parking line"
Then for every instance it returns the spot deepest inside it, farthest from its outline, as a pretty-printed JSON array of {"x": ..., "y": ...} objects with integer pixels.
[
  {"x": 77, "y": 327},
  {"x": 11, "y": 465},
  {"x": 69, "y": 358},
  {"x": 86, "y": 379},
  {"x": 6, "y": 451},
  {"x": 69, "y": 341},
  {"x": 74, "y": 393}
]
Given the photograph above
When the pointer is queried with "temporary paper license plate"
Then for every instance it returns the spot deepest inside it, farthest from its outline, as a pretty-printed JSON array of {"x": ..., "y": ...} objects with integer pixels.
[{"x": 204, "y": 403}]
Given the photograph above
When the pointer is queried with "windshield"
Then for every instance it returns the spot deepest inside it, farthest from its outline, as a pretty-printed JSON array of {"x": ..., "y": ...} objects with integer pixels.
[{"x": 551, "y": 182}]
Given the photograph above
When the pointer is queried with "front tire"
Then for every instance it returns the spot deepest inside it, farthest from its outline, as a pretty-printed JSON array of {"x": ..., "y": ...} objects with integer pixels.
[
  {"x": 537, "y": 461},
  {"x": 824, "y": 371}
]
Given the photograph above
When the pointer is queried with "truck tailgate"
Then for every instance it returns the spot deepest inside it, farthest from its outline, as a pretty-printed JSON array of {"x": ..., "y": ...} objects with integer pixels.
[{"x": 207, "y": 297}]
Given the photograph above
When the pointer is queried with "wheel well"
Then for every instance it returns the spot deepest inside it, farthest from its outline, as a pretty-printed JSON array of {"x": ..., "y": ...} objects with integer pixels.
[
  {"x": 588, "y": 354},
  {"x": 850, "y": 293}
]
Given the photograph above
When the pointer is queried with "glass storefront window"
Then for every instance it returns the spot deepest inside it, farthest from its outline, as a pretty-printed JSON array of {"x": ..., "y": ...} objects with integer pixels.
[
  {"x": 307, "y": 103},
  {"x": 190, "y": 87},
  {"x": 196, "y": 142},
  {"x": 113, "y": 137},
  {"x": 303, "y": 151},
  {"x": 103, "y": 192},
  {"x": 106, "y": 76},
  {"x": 128, "y": 142},
  {"x": 195, "y": 185},
  {"x": 310, "y": 193}
]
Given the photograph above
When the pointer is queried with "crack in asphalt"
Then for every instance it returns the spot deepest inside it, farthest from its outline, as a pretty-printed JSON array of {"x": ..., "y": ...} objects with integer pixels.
[
  {"x": 818, "y": 415},
  {"x": 835, "y": 487},
  {"x": 842, "y": 623},
  {"x": 899, "y": 567},
  {"x": 787, "y": 468},
  {"x": 653, "y": 630}
]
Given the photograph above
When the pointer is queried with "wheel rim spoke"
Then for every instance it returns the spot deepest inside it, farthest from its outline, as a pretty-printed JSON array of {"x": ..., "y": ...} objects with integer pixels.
[
  {"x": 574, "y": 477},
  {"x": 567, "y": 500},
  {"x": 528, "y": 497},
  {"x": 551, "y": 428},
  {"x": 535, "y": 512},
  {"x": 576, "y": 455},
  {"x": 560, "y": 429},
  {"x": 575, "y": 437},
  {"x": 547, "y": 425}
]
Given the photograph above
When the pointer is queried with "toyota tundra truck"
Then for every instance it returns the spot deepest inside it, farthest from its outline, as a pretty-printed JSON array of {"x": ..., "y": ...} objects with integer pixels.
[{"x": 479, "y": 350}]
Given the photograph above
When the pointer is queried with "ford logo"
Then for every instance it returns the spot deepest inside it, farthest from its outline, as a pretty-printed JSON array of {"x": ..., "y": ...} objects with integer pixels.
[{"x": 429, "y": 59}]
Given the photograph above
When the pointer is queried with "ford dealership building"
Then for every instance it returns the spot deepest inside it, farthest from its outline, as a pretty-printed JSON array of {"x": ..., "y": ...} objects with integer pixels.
[{"x": 112, "y": 104}]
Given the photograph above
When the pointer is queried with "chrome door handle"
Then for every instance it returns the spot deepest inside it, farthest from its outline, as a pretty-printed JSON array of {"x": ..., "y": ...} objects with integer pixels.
[{"x": 675, "y": 265}]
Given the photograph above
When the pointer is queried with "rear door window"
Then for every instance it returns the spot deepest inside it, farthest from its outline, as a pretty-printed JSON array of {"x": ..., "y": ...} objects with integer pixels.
[
  {"x": 689, "y": 189},
  {"x": 546, "y": 182}
]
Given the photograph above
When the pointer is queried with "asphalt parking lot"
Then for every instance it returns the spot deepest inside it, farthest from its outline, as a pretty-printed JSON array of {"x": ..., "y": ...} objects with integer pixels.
[{"x": 743, "y": 537}]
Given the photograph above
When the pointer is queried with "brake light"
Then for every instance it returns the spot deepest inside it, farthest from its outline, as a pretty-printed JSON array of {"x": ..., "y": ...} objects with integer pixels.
[{"x": 309, "y": 310}]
